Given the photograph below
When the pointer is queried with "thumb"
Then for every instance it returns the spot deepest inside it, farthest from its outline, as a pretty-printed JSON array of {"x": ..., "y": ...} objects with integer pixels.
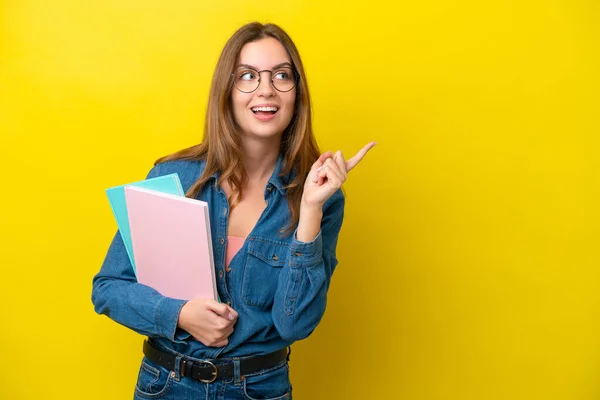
[
  {"x": 322, "y": 158},
  {"x": 221, "y": 309},
  {"x": 232, "y": 312}
]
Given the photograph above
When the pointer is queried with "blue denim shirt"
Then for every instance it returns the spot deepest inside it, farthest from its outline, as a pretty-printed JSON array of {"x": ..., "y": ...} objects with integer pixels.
[{"x": 277, "y": 284}]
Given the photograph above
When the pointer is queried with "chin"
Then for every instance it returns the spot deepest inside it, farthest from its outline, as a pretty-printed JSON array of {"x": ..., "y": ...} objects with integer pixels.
[
  {"x": 266, "y": 134},
  {"x": 265, "y": 131}
]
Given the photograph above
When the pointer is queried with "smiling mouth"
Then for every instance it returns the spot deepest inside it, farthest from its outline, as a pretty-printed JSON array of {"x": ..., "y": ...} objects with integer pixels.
[{"x": 264, "y": 110}]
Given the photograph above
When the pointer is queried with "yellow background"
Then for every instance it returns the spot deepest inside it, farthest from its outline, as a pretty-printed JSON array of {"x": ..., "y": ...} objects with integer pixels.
[{"x": 468, "y": 257}]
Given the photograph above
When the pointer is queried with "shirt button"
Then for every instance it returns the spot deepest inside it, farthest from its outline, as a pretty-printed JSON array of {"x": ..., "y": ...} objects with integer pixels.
[
  {"x": 229, "y": 303},
  {"x": 228, "y": 268},
  {"x": 298, "y": 254},
  {"x": 275, "y": 258},
  {"x": 220, "y": 273},
  {"x": 222, "y": 240},
  {"x": 269, "y": 188}
]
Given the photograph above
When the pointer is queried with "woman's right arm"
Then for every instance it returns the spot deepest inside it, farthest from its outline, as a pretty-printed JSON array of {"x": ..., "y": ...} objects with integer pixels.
[{"x": 117, "y": 294}]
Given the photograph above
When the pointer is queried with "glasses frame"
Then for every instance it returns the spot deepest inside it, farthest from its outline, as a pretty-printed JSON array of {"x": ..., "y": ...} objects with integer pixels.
[{"x": 270, "y": 71}]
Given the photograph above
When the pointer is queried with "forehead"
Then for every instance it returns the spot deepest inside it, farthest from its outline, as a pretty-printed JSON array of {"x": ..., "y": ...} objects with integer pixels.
[{"x": 264, "y": 54}]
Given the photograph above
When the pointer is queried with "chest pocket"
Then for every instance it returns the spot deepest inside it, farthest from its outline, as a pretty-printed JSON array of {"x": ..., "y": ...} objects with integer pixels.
[{"x": 264, "y": 260}]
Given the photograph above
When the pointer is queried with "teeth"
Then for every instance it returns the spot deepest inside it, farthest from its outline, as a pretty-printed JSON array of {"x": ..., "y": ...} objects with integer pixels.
[{"x": 272, "y": 108}]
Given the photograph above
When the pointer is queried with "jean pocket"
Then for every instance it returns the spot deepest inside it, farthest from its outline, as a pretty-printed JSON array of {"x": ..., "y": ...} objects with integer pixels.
[
  {"x": 153, "y": 381},
  {"x": 272, "y": 384},
  {"x": 264, "y": 260}
]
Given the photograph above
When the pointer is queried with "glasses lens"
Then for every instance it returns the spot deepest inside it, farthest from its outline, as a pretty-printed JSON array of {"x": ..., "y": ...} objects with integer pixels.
[
  {"x": 246, "y": 79},
  {"x": 284, "y": 79}
]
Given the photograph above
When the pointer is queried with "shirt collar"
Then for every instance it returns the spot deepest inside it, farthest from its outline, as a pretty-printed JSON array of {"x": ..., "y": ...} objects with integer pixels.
[{"x": 275, "y": 180}]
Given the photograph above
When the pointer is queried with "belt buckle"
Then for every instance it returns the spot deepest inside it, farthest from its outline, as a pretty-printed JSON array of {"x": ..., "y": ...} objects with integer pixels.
[{"x": 214, "y": 373}]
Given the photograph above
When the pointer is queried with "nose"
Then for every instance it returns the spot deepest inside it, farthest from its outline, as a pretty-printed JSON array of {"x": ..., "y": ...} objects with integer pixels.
[{"x": 265, "y": 86}]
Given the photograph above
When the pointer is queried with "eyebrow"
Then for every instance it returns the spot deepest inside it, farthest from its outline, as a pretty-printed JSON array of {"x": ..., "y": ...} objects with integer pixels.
[{"x": 284, "y": 64}]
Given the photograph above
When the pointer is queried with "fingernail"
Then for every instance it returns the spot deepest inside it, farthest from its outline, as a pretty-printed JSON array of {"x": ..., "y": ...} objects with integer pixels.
[
  {"x": 318, "y": 169},
  {"x": 231, "y": 317}
]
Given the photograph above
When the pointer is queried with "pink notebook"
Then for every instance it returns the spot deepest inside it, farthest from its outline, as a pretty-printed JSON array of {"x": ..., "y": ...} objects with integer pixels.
[{"x": 172, "y": 244}]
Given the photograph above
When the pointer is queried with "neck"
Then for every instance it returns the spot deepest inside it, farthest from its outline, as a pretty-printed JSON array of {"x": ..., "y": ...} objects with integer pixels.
[{"x": 260, "y": 160}]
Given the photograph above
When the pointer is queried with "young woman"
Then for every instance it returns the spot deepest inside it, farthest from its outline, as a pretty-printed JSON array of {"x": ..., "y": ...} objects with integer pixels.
[{"x": 276, "y": 210}]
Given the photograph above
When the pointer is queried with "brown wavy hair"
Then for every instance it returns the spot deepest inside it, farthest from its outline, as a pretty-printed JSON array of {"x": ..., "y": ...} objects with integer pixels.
[{"x": 221, "y": 146}]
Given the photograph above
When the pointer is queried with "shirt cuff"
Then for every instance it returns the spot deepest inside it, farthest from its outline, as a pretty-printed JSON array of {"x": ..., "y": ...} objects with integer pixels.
[
  {"x": 306, "y": 254},
  {"x": 167, "y": 315}
]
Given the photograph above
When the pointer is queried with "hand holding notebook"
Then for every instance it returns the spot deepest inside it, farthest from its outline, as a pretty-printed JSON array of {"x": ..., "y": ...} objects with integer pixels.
[{"x": 208, "y": 321}]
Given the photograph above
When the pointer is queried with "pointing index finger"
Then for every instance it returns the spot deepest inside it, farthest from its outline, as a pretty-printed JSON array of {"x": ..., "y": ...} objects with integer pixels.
[{"x": 351, "y": 163}]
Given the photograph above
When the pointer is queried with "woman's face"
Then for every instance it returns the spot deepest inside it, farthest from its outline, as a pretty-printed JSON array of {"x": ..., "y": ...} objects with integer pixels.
[{"x": 265, "y": 112}]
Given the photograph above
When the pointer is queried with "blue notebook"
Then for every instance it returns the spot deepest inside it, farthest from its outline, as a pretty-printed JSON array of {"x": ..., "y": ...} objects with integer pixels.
[{"x": 116, "y": 196}]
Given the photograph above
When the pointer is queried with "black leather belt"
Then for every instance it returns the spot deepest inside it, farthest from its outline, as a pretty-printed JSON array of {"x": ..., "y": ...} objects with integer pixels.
[{"x": 210, "y": 370}]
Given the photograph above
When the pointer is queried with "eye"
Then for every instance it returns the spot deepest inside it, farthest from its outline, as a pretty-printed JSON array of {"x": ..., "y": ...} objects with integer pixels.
[
  {"x": 282, "y": 75},
  {"x": 247, "y": 75}
]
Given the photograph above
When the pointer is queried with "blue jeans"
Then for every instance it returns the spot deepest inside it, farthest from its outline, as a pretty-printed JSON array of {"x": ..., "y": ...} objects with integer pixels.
[{"x": 156, "y": 382}]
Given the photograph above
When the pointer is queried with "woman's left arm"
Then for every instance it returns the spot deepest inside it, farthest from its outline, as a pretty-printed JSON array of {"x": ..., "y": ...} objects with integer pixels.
[
  {"x": 304, "y": 280},
  {"x": 301, "y": 297}
]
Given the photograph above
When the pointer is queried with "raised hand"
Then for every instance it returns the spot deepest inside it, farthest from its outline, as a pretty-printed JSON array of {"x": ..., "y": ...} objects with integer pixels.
[{"x": 328, "y": 174}]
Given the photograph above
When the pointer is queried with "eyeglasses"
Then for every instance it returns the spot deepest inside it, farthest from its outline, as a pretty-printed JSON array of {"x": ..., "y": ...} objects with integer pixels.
[{"x": 247, "y": 79}]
